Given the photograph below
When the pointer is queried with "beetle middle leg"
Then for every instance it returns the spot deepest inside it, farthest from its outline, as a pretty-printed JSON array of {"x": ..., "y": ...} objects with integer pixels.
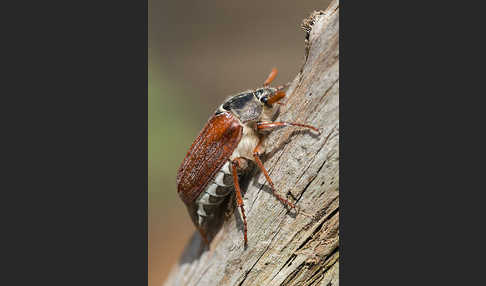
[
  {"x": 239, "y": 163},
  {"x": 256, "y": 155}
]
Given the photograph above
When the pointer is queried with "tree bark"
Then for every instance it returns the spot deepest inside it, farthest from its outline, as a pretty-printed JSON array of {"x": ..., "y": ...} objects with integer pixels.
[{"x": 285, "y": 247}]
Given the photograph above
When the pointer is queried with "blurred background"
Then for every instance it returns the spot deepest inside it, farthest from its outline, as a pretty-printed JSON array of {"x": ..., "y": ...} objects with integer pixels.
[{"x": 200, "y": 52}]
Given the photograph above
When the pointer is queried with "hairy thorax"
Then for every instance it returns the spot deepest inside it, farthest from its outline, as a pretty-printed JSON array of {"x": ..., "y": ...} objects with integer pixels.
[
  {"x": 248, "y": 143},
  {"x": 251, "y": 136}
]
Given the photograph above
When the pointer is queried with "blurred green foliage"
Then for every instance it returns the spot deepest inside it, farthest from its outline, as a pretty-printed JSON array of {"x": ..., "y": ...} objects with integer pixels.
[{"x": 171, "y": 130}]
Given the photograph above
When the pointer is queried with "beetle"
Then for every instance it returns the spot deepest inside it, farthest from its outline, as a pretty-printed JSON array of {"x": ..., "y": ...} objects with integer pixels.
[{"x": 233, "y": 135}]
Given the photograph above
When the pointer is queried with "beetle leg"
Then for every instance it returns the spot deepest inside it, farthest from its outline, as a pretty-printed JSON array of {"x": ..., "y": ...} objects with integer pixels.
[
  {"x": 241, "y": 163},
  {"x": 239, "y": 198},
  {"x": 270, "y": 125},
  {"x": 256, "y": 155}
]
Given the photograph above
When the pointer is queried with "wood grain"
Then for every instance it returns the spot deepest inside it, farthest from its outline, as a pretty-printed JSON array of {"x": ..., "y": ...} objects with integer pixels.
[{"x": 285, "y": 248}]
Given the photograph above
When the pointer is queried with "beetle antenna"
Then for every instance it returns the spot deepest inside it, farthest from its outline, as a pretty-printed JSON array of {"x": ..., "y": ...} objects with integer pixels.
[
  {"x": 276, "y": 97},
  {"x": 270, "y": 77}
]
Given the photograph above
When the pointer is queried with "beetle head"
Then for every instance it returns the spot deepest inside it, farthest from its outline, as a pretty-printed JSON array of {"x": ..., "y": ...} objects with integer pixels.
[{"x": 253, "y": 105}]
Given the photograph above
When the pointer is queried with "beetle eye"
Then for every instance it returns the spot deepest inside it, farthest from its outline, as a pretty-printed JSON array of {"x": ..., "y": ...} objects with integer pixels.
[{"x": 264, "y": 99}]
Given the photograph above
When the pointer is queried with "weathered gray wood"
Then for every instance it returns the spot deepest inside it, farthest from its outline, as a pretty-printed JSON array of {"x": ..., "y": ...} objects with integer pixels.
[{"x": 284, "y": 248}]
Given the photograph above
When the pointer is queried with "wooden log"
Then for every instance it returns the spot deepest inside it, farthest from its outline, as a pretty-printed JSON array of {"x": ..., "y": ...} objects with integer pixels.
[{"x": 285, "y": 248}]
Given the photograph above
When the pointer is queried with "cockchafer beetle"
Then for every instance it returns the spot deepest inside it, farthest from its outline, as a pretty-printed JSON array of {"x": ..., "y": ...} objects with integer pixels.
[{"x": 234, "y": 134}]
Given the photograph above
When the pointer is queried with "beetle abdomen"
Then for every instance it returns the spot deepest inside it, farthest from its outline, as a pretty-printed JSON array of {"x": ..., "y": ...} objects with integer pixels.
[{"x": 214, "y": 194}]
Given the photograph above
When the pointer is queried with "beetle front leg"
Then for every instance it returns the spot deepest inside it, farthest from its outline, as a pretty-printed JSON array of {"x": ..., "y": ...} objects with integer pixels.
[
  {"x": 263, "y": 126},
  {"x": 237, "y": 163}
]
